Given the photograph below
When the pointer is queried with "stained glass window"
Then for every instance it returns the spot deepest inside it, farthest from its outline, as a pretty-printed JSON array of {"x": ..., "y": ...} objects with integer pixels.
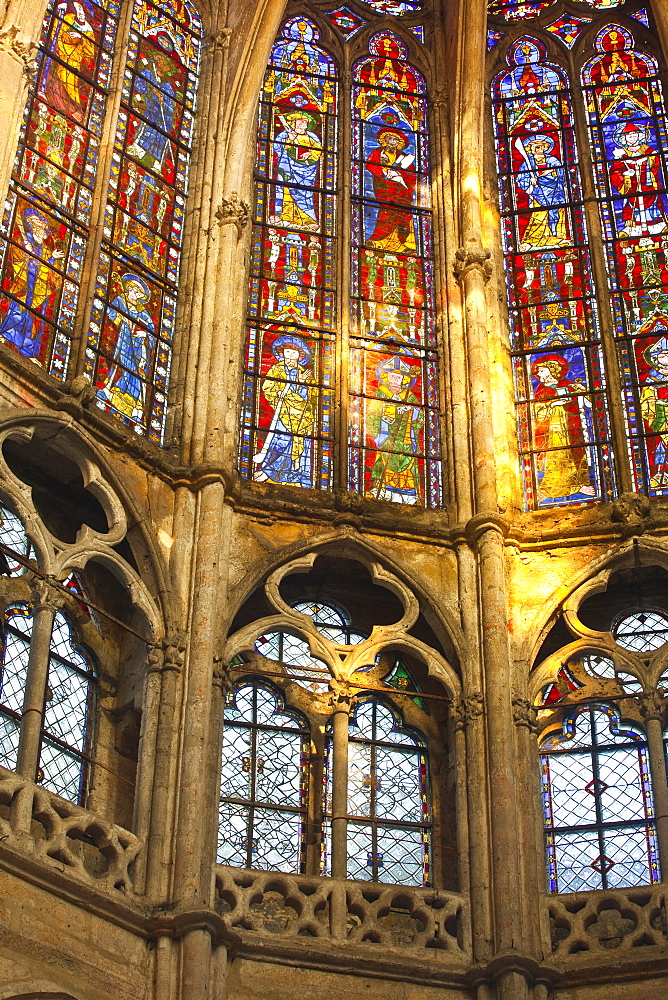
[
  {"x": 262, "y": 811},
  {"x": 389, "y": 826},
  {"x": 67, "y": 719},
  {"x": 47, "y": 215},
  {"x": 385, "y": 350},
  {"x": 287, "y": 418},
  {"x": 394, "y": 441},
  {"x": 641, "y": 631},
  {"x": 597, "y": 798},
  {"x": 132, "y": 322},
  {"x": 559, "y": 378},
  {"x": 49, "y": 225},
  {"x": 517, "y": 10},
  {"x": 13, "y": 535},
  {"x": 627, "y": 126}
]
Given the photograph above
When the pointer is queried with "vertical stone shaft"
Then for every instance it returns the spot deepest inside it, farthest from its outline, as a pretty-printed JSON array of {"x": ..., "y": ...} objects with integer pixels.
[
  {"x": 37, "y": 676},
  {"x": 340, "y": 787},
  {"x": 657, "y": 763}
]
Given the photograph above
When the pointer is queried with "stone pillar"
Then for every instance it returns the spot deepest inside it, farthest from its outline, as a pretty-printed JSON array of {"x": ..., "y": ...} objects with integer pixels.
[
  {"x": 341, "y": 703},
  {"x": 651, "y": 707},
  {"x": 44, "y": 609}
]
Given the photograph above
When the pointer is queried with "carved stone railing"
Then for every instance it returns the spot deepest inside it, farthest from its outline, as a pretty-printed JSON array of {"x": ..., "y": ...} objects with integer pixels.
[
  {"x": 62, "y": 834},
  {"x": 608, "y": 920},
  {"x": 426, "y": 922}
]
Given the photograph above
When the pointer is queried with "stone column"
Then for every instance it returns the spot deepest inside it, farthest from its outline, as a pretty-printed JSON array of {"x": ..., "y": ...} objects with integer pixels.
[
  {"x": 341, "y": 703},
  {"x": 651, "y": 707}
]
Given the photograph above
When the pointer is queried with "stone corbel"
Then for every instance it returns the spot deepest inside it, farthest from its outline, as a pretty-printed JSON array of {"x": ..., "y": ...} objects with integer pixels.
[
  {"x": 477, "y": 258},
  {"x": 631, "y": 511},
  {"x": 221, "y": 39},
  {"x": 23, "y": 52},
  {"x": 466, "y": 709},
  {"x": 524, "y": 714},
  {"x": 235, "y": 211},
  {"x": 438, "y": 97},
  {"x": 78, "y": 398}
]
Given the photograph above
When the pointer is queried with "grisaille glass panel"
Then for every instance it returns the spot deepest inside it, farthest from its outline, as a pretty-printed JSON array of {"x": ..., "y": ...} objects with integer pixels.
[
  {"x": 262, "y": 812},
  {"x": 559, "y": 378},
  {"x": 132, "y": 322},
  {"x": 68, "y": 704},
  {"x": 642, "y": 631},
  {"x": 597, "y": 800},
  {"x": 394, "y": 437},
  {"x": 13, "y": 535},
  {"x": 286, "y": 421},
  {"x": 627, "y": 123},
  {"x": 389, "y": 829}
]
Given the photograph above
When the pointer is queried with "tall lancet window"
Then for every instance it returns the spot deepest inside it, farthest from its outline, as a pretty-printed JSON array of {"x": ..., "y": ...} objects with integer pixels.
[
  {"x": 341, "y": 361},
  {"x": 581, "y": 142},
  {"x": 91, "y": 234}
]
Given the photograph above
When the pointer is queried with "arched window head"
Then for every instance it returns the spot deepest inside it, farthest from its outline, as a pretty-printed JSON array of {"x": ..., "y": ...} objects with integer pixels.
[
  {"x": 598, "y": 806},
  {"x": 263, "y": 792},
  {"x": 389, "y": 816},
  {"x": 67, "y": 694},
  {"x": 373, "y": 342},
  {"x": 87, "y": 223}
]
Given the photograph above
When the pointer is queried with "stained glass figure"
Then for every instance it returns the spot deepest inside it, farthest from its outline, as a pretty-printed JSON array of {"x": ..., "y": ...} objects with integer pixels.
[
  {"x": 597, "y": 799},
  {"x": 627, "y": 124},
  {"x": 568, "y": 28},
  {"x": 389, "y": 829},
  {"x": 262, "y": 812},
  {"x": 132, "y": 321},
  {"x": 68, "y": 703},
  {"x": 346, "y": 21},
  {"x": 493, "y": 37},
  {"x": 563, "y": 424},
  {"x": 517, "y": 10},
  {"x": 13, "y": 535},
  {"x": 394, "y": 8},
  {"x": 47, "y": 215},
  {"x": 394, "y": 439},
  {"x": 286, "y": 430}
]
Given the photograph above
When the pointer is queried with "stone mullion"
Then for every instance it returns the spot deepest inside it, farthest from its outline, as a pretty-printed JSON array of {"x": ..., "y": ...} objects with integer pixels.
[
  {"x": 651, "y": 707},
  {"x": 196, "y": 235},
  {"x": 345, "y": 290},
  {"x": 341, "y": 704}
]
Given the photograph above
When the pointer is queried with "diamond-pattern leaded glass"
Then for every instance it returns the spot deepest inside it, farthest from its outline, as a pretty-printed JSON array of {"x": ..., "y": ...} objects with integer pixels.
[
  {"x": 13, "y": 535},
  {"x": 642, "y": 631},
  {"x": 597, "y": 799},
  {"x": 389, "y": 829},
  {"x": 559, "y": 378},
  {"x": 68, "y": 703},
  {"x": 262, "y": 810}
]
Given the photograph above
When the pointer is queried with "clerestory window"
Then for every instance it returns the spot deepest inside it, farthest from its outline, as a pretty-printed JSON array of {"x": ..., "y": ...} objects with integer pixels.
[
  {"x": 92, "y": 228},
  {"x": 580, "y": 129},
  {"x": 341, "y": 384}
]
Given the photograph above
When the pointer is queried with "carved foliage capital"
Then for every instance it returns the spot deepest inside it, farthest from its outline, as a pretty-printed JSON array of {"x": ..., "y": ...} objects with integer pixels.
[
  {"x": 44, "y": 595},
  {"x": 524, "y": 714},
  {"x": 473, "y": 258},
  {"x": 223, "y": 676},
  {"x": 465, "y": 710},
  {"x": 24, "y": 52},
  {"x": 233, "y": 211},
  {"x": 652, "y": 704}
]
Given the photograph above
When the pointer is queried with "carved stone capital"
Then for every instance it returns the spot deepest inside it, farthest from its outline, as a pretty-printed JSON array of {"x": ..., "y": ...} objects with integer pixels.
[
  {"x": 340, "y": 698},
  {"x": 465, "y": 710},
  {"x": 223, "y": 676},
  {"x": 221, "y": 39},
  {"x": 44, "y": 595},
  {"x": 652, "y": 704},
  {"x": 524, "y": 714},
  {"x": 474, "y": 258},
  {"x": 24, "y": 52},
  {"x": 438, "y": 97},
  {"x": 233, "y": 211}
]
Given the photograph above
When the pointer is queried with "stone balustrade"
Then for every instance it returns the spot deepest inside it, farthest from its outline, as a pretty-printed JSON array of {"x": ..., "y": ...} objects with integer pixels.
[
  {"x": 61, "y": 834},
  {"x": 608, "y": 920},
  {"x": 404, "y": 919}
]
